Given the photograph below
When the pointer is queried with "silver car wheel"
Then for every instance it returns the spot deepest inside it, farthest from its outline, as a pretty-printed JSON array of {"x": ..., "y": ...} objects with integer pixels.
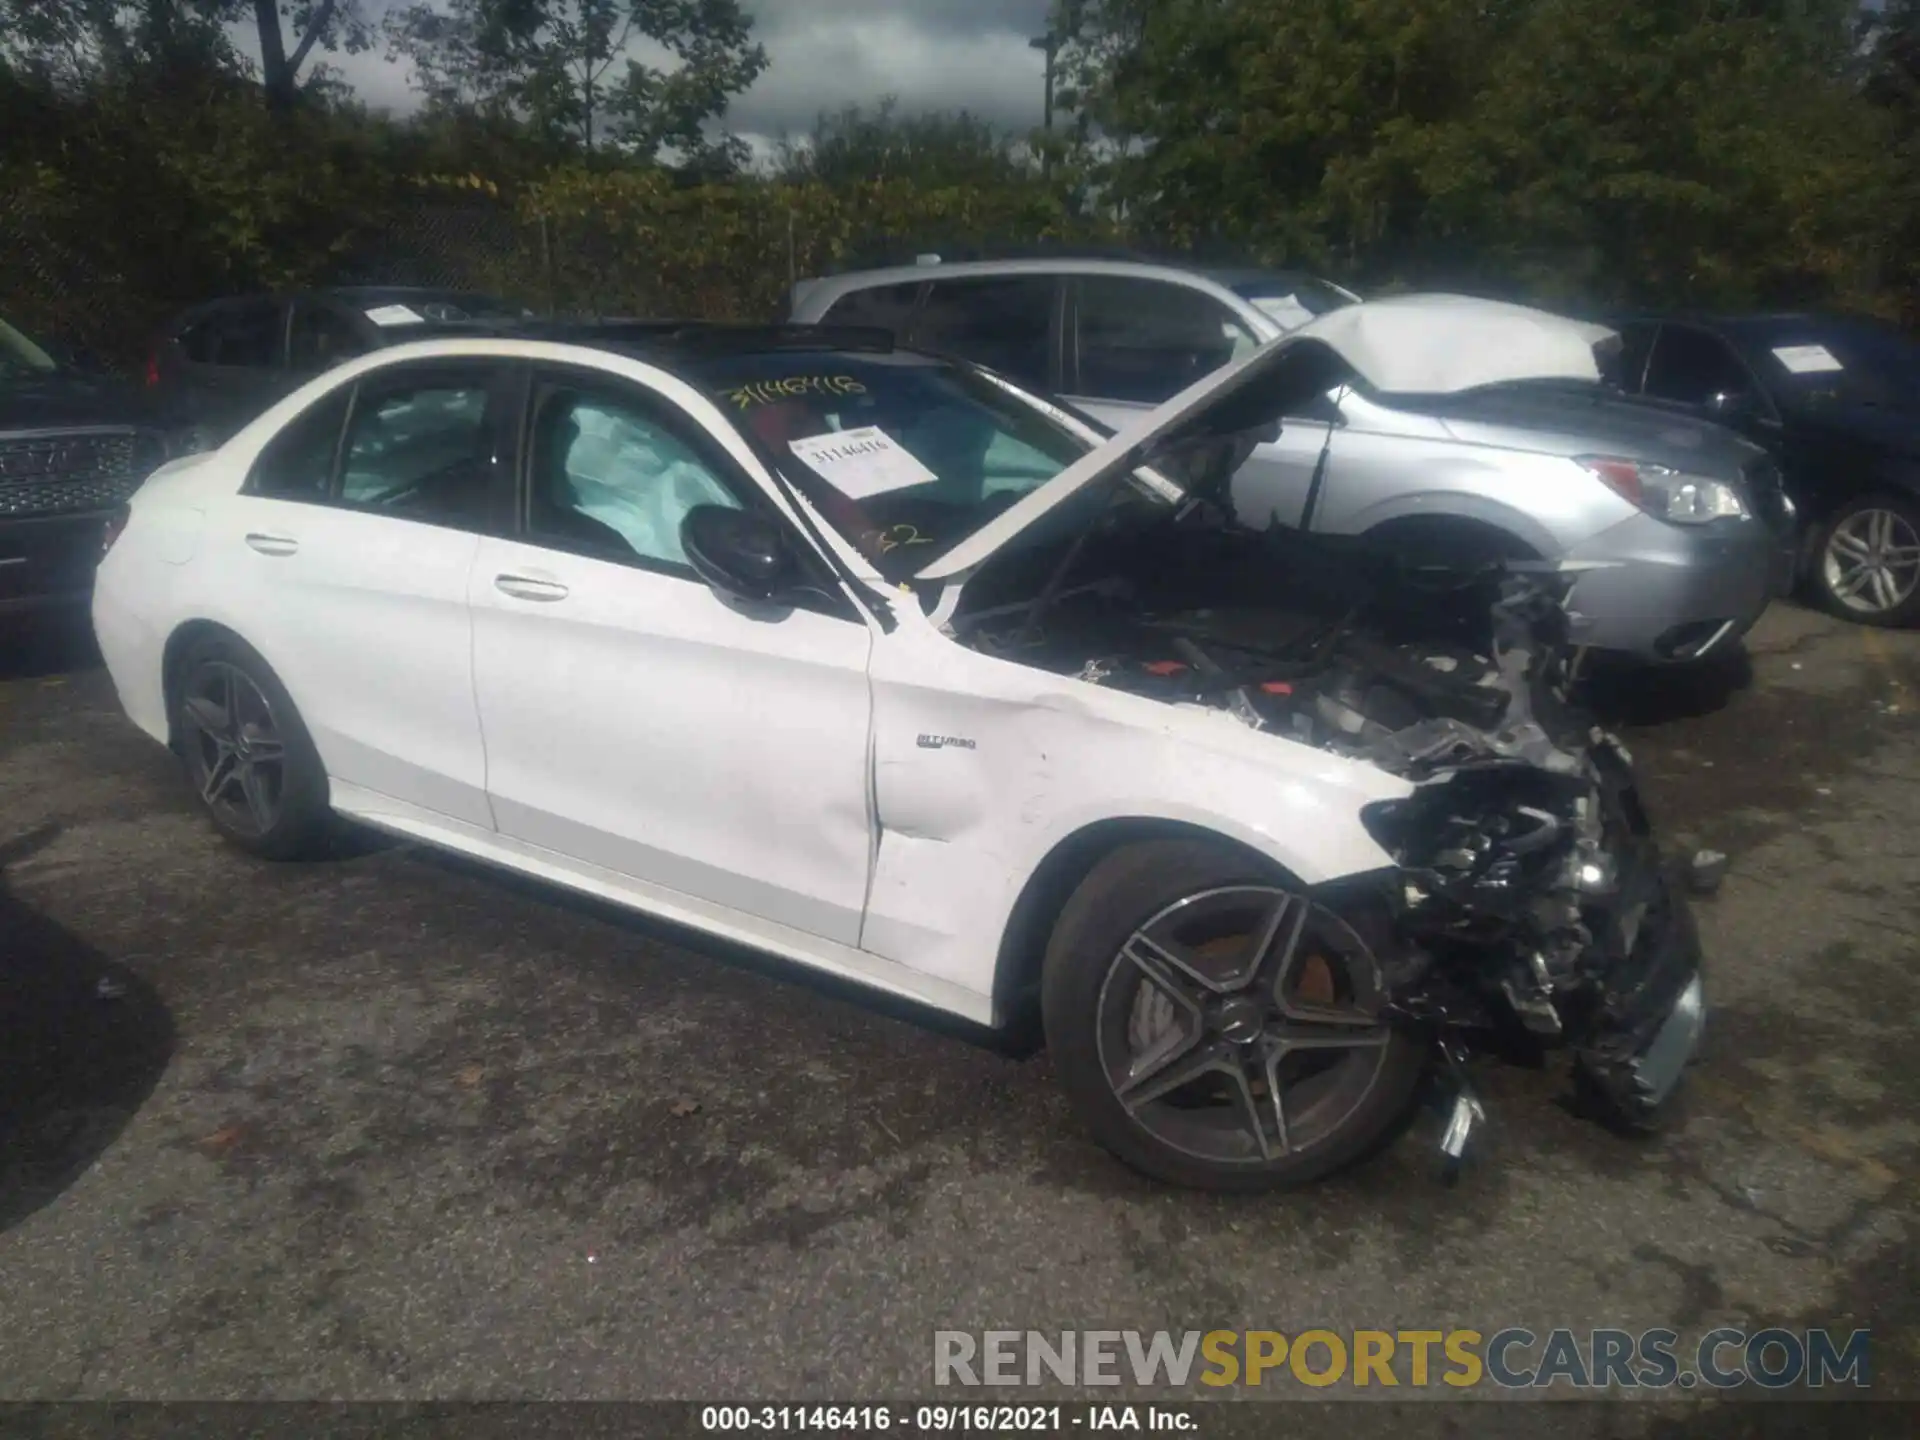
[{"x": 1871, "y": 563}]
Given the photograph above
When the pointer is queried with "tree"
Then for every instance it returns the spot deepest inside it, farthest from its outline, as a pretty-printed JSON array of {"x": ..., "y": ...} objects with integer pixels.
[
  {"x": 329, "y": 24},
  {"x": 1716, "y": 151},
  {"x": 1892, "y": 45},
  {"x": 570, "y": 68},
  {"x": 934, "y": 150},
  {"x": 73, "y": 40}
]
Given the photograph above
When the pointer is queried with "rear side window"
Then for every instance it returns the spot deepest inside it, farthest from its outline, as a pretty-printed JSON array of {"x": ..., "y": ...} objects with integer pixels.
[
  {"x": 297, "y": 464},
  {"x": 422, "y": 451},
  {"x": 241, "y": 336},
  {"x": 885, "y": 307},
  {"x": 1004, "y": 324},
  {"x": 1146, "y": 340}
]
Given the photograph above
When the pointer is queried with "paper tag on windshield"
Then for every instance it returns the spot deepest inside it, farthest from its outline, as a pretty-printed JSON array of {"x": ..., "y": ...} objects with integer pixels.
[
  {"x": 1283, "y": 310},
  {"x": 395, "y": 315},
  {"x": 1807, "y": 359},
  {"x": 862, "y": 462}
]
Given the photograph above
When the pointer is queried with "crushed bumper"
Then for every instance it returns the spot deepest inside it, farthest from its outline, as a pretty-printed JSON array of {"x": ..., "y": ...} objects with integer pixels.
[
  {"x": 1651, "y": 1010},
  {"x": 1535, "y": 913}
]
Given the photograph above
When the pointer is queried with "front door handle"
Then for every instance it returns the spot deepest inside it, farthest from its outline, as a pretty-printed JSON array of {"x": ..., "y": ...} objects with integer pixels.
[
  {"x": 273, "y": 544},
  {"x": 525, "y": 587}
]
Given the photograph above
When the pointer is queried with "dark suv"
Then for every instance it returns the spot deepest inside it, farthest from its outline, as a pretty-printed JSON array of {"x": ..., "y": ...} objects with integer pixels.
[
  {"x": 73, "y": 447},
  {"x": 1837, "y": 399},
  {"x": 222, "y": 363}
]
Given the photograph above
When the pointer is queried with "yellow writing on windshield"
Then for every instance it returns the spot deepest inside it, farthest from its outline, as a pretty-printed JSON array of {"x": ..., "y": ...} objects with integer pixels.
[
  {"x": 771, "y": 392},
  {"x": 894, "y": 536}
]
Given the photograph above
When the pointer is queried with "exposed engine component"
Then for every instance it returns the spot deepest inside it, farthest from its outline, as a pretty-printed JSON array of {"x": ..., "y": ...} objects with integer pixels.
[{"x": 1529, "y": 895}]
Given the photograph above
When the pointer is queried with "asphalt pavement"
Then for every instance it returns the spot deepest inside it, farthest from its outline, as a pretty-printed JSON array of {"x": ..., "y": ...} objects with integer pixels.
[{"x": 395, "y": 1126}]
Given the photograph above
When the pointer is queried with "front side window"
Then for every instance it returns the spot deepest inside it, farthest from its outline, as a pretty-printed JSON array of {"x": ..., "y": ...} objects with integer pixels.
[
  {"x": 1146, "y": 340},
  {"x": 607, "y": 478},
  {"x": 1005, "y": 324},
  {"x": 297, "y": 464},
  {"x": 421, "y": 450},
  {"x": 1692, "y": 367},
  {"x": 904, "y": 454}
]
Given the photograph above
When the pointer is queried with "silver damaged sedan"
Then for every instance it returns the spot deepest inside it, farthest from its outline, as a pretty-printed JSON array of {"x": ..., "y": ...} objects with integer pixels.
[{"x": 1678, "y": 528}]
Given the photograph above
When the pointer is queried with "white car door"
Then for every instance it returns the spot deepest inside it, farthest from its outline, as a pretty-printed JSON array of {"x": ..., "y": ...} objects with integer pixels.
[
  {"x": 344, "y": 561},
  {"x": 634, "y": 720}
]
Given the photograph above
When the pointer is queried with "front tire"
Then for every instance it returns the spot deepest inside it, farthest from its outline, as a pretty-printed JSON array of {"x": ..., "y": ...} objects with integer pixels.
[
  {"x": 1215, "y": 1027},
  {"x": 1865, "y": 561},
  {"x": 247, "y": 752}
]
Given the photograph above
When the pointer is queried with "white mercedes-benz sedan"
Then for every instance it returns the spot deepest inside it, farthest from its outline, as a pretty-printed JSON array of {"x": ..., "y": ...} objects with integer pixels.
[{"x": 870, "y": 660}]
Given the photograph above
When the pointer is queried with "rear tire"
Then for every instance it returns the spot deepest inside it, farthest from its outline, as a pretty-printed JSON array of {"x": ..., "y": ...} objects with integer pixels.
[
  {"x": 1181, "y": 956},
  {"x": 247, "y": 753}
]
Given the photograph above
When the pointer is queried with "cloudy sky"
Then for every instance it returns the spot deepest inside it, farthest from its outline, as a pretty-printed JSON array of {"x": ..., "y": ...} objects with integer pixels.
[{"x": 933, "y": 54}]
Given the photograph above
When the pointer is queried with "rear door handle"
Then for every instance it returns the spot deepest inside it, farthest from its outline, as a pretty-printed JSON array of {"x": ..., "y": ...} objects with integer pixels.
[
  {"x": 273, "y": 544},
  {"x": 525, "y": 587}
]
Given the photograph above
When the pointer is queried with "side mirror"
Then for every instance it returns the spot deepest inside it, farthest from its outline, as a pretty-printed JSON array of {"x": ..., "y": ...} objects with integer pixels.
[{"x": 742, "y": 556}]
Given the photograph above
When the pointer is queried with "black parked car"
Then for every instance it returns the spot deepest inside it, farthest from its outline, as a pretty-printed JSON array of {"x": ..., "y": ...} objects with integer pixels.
[
  {"x": 73, "y": 447},
  {"x": 1837, "y": 399},
  {"x": 222, "y": 363}
]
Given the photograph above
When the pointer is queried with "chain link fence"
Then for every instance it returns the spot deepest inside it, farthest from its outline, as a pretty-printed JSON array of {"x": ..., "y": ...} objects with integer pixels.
[{"x": 62, "y": 294}]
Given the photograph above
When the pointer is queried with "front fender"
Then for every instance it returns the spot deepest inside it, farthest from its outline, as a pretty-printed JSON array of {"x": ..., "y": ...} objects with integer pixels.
[{"x": 973, "y": 792}]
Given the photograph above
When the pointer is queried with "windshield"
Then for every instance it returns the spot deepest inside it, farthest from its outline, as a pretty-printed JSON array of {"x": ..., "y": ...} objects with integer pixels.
[
  {"x": 1843, "y": 362},
  {"x": 20, "y": 357},
  {"x": 904, "y": 454},
  {"x": 1292, "y": 300}
]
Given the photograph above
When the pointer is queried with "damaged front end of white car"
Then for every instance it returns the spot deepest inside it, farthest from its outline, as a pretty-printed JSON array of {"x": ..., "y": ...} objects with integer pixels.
[{"x": 1527, "y": 907}]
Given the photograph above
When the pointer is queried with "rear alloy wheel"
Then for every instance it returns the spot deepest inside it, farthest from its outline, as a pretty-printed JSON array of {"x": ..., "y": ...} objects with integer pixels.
[
  {"x": 1868, "y": 564},
  {"x": 1218, "y": 1027},
  {"x": 247, "y": 753}
]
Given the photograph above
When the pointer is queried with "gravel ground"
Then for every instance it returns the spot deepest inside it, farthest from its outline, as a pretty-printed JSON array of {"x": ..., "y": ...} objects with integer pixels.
[{"x": 394, "y": 1126}]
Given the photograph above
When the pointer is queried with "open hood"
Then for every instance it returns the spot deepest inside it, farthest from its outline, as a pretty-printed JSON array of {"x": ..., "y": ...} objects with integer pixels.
[{"x": 1409, "y": 344}]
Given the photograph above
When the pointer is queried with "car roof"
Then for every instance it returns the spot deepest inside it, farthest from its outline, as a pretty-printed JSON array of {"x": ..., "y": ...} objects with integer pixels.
[
  {"x": 356, "y": 296},
  {"x": 694, "y": 339},
  {"x": 1752, "y": 327},
  {"x": 1024, "y": 265}
]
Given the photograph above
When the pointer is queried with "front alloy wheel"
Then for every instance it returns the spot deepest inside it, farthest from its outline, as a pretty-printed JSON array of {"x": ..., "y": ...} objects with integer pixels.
[
  {"x": 1218, "y": 1026},
  {"x": 1241, "y": 1024},
  {"x": 1869, "y": 562}
]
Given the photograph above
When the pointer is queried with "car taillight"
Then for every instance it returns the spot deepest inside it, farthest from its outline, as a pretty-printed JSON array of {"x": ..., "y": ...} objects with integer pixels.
[
  {"x": 116, "y": 522},
  {"x": 153, "y": 369}
]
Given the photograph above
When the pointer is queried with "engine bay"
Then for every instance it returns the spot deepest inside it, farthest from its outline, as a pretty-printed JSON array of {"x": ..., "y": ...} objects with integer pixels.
[{"x": 1318, "y": 639}]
